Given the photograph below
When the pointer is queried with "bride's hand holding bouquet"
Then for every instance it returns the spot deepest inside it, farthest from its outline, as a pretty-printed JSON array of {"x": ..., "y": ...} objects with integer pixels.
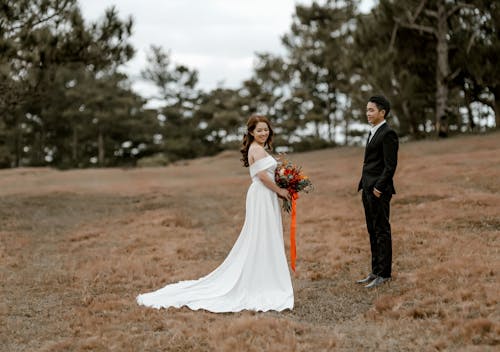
[{"x": 290, "y": 177}]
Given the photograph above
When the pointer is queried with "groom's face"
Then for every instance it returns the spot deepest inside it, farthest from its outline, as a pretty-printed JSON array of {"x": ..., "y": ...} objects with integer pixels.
[{"x": 373, "y": 114}]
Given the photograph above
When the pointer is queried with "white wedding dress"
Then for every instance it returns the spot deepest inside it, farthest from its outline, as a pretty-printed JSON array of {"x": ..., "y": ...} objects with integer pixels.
[{"x": 254, "y": 275}]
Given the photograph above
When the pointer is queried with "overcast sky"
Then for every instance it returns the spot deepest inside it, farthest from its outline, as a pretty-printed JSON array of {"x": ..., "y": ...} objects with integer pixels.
[{"x": 218, "y": 38}]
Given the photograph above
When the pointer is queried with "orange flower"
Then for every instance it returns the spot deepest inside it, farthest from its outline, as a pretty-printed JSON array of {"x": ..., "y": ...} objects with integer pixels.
[{"x": 288, "y": 175}]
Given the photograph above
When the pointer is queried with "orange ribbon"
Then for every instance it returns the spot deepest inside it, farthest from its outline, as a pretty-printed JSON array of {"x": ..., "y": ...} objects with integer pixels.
[{"x": 293, "y": 227}]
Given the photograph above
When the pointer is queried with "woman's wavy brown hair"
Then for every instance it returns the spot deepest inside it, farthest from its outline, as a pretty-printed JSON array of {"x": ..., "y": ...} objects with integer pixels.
[{"x": 248, "y": 138}]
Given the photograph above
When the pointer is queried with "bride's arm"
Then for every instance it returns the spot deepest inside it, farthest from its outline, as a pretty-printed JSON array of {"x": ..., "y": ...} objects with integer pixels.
[
  {"x": 266, "y": 180},
  {"x": 257, "y": 154}
]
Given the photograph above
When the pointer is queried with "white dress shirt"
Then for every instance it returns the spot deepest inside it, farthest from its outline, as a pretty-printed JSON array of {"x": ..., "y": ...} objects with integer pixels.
[{"x": 374, "y": 129}]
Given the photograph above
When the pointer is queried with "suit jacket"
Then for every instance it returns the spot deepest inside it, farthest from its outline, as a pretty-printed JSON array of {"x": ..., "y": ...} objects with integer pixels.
[{"x": 381, "y": 159}]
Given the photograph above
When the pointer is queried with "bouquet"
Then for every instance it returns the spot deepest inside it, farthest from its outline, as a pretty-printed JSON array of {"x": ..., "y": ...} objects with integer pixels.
[{"x": 288, "y": 175}]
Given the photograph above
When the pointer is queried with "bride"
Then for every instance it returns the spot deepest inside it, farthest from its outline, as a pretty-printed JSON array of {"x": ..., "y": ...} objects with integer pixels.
[{"x": 254, "y": 275}]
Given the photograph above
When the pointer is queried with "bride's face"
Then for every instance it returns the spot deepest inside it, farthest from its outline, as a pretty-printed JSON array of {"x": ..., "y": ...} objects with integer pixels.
[{"x": 261, "y": 133}]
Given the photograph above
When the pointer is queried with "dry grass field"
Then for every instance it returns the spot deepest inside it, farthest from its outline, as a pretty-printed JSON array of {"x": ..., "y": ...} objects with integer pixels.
[{"x": 76, "y": 247}]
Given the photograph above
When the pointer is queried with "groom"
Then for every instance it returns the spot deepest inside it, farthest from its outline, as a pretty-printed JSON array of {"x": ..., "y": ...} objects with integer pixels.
[{"x": 381, "y": 158}]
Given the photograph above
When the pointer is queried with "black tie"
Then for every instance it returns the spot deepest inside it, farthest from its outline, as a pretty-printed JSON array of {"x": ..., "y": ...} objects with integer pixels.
[{"x": 369, "y": 135}]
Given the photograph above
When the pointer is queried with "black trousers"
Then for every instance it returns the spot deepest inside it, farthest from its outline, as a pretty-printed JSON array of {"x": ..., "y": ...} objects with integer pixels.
[{"x": 377, "y": 211}]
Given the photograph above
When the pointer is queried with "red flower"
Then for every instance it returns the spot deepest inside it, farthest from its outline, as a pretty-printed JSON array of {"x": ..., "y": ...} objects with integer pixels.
[{"x": 289, "y": 176}]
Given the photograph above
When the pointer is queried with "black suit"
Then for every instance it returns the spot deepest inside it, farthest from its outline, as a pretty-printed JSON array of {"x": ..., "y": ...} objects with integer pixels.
[{"x": 381, "y": 158}]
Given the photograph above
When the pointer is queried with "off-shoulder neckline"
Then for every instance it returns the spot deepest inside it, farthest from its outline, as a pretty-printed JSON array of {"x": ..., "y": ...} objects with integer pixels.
[{"x": 255, "y": 162}]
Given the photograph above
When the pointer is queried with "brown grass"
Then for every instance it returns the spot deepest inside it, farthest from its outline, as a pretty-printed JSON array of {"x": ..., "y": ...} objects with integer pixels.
[{"x": 76, "y": 247}]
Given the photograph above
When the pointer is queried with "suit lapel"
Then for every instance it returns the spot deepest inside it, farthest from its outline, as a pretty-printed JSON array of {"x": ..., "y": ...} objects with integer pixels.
[{"x": 377, "y": 133}]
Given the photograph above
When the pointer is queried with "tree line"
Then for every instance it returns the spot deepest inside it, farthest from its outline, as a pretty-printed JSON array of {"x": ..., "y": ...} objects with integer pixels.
[{"x": 65, "y": 102}]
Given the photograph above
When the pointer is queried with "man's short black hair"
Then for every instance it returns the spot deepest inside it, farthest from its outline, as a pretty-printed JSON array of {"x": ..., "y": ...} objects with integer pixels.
[{"x": 381, "y": 102}]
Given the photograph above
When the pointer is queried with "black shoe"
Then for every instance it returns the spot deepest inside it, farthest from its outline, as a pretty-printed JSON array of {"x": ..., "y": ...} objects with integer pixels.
[
  {"x": 377, "y": 282},
  {"x": 367, "y": 279}
]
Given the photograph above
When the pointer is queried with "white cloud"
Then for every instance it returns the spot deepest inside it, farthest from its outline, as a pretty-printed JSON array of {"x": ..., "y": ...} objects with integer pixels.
[{"x": 219, "y": 38}]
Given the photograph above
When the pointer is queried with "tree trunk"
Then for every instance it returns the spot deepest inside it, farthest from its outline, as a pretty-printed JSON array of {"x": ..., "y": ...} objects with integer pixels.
[
  {"x": 442, "y": 72},
  {"x": 346, "y": 119},
  {"x": 17, "y": 144},
  {"x": 496, "y": 92},
  {"x": 38, "y": 152},
  {"x": 471, "y": 125},
  {"x": 316, "y": 129},
  {"x": 414, "y": 131},
  {"x": 331, "y": 126},
  {"x": 74, "y": 147},
  {"x": 100, "y": 146},
  {"x": 497, "y": 113},
  {"x": 332, "y": 119},
  {"x": 468, "y": 99}
]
